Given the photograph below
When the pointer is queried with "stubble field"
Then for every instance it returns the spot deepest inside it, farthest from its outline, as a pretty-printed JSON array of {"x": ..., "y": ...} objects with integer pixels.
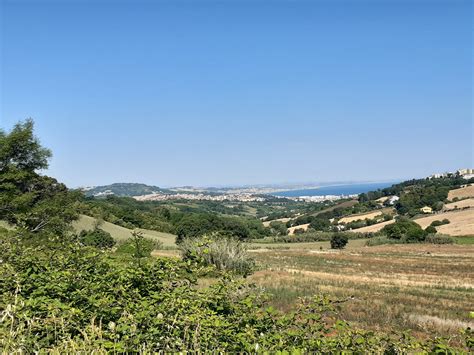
[{"x": 427, "y": 289}]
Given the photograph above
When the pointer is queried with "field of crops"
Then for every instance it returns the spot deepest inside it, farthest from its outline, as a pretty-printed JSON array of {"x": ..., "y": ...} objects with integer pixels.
[{"x": 427, "y": 289}]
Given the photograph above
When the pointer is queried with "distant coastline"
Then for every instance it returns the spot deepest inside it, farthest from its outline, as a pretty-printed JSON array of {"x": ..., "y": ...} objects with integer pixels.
[{"x": 337, "y": 190}]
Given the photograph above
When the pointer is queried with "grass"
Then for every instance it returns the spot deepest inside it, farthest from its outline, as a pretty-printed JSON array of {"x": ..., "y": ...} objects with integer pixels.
[
  {"x": 310, "y": 246},
  {"x": 464, "y": 240},
  {"x": 424, "y": 288},
  {"x": 461, "y": 222},
  {"x": 121, "y": 234},
  {"x": 6, "y": 225}
]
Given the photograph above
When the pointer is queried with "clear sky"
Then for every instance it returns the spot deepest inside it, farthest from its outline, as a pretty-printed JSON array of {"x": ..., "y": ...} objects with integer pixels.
[{"x": 241, "y": 92}]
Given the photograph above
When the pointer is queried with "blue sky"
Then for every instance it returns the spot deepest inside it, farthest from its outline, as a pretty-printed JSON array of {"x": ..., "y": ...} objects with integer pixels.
[{"x": 241, "y": 92}]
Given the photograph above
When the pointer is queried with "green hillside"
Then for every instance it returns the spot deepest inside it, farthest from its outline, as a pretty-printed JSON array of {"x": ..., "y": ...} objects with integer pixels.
[
  {"x": 121, "y": 233},
  {"x": 124, "y": 189}
]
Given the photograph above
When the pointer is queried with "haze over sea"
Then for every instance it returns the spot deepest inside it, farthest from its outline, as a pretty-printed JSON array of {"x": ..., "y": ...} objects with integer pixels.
[{"x": 347, "y": 189}]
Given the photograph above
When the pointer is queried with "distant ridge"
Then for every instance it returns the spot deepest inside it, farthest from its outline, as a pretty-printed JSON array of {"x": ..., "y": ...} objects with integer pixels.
[{"x": 124, "y": 189}]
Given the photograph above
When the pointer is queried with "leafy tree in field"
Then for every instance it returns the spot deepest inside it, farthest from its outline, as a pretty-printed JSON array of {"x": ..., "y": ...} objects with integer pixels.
[
  {"x": 404, "y": 230},
  {"x": 320, "y": 224},
  {"x": 338, "y": 241},
  {"x": 33, "y": 202},
  {"x": 279, "y": 228}
]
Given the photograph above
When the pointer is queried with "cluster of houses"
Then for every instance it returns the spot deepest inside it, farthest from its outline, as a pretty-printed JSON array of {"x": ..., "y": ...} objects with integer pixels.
[{"x": 464, "y": 173}]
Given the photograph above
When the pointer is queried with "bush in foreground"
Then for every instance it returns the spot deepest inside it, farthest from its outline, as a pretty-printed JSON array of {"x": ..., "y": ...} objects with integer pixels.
[
  {"x": 71, "y": 299},
  {"x": 224, "y": 253}
]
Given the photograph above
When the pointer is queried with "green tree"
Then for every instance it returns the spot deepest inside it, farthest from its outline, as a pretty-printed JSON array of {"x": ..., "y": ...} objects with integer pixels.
[
  {"x": 339, "y": 241},
  {"x": 97, "y": 238},
  {"x": 404, "y": 230},
  {"x": 33, "y": 202}
]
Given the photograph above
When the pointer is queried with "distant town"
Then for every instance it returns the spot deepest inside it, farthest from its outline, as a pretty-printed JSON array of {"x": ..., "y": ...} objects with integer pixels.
[{"x": 242, "y": 194}]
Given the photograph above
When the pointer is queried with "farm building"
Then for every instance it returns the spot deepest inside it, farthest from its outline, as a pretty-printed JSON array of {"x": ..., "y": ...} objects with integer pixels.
[{"x": 426, "y": 209}]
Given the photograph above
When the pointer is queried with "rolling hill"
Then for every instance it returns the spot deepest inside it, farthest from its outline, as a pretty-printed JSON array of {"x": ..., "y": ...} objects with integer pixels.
[
  {"x": 124, "y": 189},
  {"x": 120, "y": 233}
]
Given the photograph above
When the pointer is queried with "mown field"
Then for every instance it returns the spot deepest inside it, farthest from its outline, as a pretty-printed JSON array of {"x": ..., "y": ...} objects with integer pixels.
[
  {"x": 121, "y": 234},
  {"x": 427, "y": 289}
]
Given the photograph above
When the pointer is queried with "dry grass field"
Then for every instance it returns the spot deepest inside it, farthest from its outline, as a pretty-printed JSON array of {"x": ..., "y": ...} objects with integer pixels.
[
  {"x": 461, "y": 222},
  {"x": 291, "y": 230},
  {"x": 283, "y": 220},
  {"x": 361, "y": 216},
  {"x": 120, "y": 233},
  {"x": 427, "y": 289},
  {"x": 469, "y": 202},
  {"x": 373, "y": 228},
  {"x": 463, "y": 192}
]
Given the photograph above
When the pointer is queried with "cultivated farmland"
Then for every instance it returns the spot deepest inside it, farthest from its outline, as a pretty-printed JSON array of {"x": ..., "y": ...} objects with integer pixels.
[
  {"x": 425, "y": 288},
  {"x": 469, "y": 202},
  {"x": 461, "y": 222},
  {"x": 373, "y": 228},
  {"x": 463, "y": 192},
  {"x": 121, "y": 234}
]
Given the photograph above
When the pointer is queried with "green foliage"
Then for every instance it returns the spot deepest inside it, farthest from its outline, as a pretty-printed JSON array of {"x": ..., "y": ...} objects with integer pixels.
[
  {"x": 60, "y": 296},
  {"x": 21, "y": 151},
  {"x": 224, "y": 253},
  {"x": 138, "y": 246},
  {"x": 76, "y": 299},
  {"x": 129, "y": 213},
  {"x": 431, "y": 230},
  {"x": 278, "y": 228},
  {"x": 415, "y": 194},
  {"x": 339, "y": 241},
  {"x": 32, "y": 202},
  {"x": 196, "y": 225},
  {"x": 316, "y": 236},
  {"x": 404, "y": 230},
  {"x": 97, "y": 238},
  {"x": 320, "y": 224},
  {"x": 439, "y": 223}
]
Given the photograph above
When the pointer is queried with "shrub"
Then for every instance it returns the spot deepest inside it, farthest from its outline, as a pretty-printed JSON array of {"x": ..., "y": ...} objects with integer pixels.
[
  {"x": 439, "y": 223},
  {"x": 138, "y": 246},
  {"x": 338, "y": 241},
  {"x": 313, "y": 236},
  {"x": 431, "y": 230},
  {"x": 382, "y": 240},
  {"x": 97, "y": 238},
  {"x": 224, "y": 253},
  {"x": 405, "y": 230},
  {"x": 439, "y": 239}
]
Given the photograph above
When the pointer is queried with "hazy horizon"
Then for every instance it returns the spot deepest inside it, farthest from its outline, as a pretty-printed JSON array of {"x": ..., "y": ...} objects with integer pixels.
[{"x": 213, "y": 93}]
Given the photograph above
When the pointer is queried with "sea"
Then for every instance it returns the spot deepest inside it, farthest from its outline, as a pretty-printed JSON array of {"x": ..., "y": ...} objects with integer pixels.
[{"x": 336, "y": 190}]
